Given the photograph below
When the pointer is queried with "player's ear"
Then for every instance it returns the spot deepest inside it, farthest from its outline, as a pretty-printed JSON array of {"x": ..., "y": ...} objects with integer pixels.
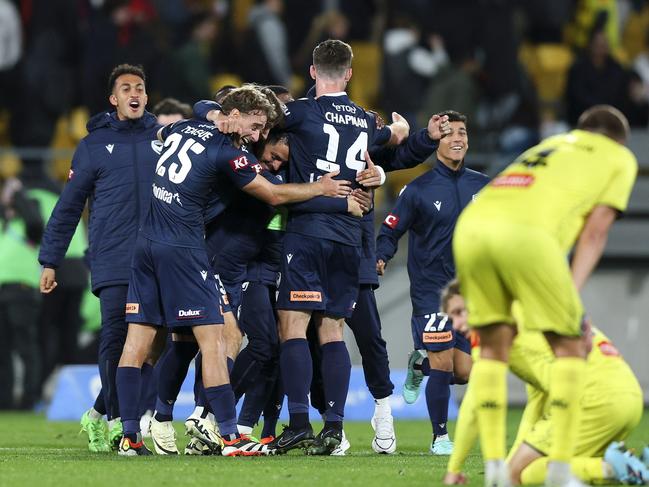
[
  {"x": 234, "y": 113},
  {"x": 348, "y": 75},
  {"x": 312, "y": 71},
  {"x": 113, "y": 100}
]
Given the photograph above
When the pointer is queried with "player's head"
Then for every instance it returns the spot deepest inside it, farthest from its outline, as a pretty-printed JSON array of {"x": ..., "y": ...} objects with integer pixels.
[
  {"x": 250, "y": 108},
  {"x": 332, "y": 61},
  {"x": 605, "y": 120},
  {"x": 126, "y": 85},
  {"x": 453, "y": 304},
  {"x": 277, "y": 116},
  {"x": 223, "y": 92},
  {"x": 452, "y": 147},
  {"x": 170, "y": 110},
  {"x": 274, "y": 151}
]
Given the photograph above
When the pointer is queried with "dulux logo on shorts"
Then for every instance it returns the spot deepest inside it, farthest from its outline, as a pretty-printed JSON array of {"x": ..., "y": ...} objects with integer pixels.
[{"x": 190, "y": 314}]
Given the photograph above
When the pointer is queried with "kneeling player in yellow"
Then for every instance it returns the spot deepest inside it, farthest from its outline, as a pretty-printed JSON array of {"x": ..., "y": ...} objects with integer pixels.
[{"x": 511, "y": 245}]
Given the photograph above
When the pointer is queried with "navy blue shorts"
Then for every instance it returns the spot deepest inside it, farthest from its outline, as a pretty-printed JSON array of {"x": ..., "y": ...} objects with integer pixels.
[
  {"x": 318, "y": 275},
  {"x": 432, "y": 332},
  {"x": 462, "y": 343},
  {"x": 171, "y": 286}
]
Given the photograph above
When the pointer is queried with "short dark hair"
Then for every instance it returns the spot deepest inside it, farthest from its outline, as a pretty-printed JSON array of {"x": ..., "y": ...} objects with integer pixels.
[
  {"x": 606, "y": 120},
  {"x": 222, "y": 92},
  {"x": 171, "y": 106},
  {"x": 121, "y": 69},
  {"x": 451, "y": 289},
  {"x": 277, "y": 135},
  {"x": 277, "y": 116},
  {"x": 247, "y": 99},
  {"x": 332, "y": 58},
  {"x": 454, "y": 116}
]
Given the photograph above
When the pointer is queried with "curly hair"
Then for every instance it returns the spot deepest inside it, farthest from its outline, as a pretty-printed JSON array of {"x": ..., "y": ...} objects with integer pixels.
[{"x": 247, "y": 99}]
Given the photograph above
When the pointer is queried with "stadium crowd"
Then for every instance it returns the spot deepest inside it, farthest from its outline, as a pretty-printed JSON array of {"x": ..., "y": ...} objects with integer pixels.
[{"x": 213, "y": 221}]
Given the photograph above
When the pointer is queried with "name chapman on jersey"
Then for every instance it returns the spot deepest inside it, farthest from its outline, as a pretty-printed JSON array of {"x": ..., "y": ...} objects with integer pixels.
[{"x": 347, "y": 118}]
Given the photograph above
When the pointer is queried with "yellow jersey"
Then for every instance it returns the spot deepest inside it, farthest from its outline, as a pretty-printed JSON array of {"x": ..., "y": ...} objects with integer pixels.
[{"x": 556, "y": 184}]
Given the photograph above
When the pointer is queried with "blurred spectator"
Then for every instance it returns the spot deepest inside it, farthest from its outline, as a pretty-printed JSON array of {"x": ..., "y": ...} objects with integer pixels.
[
  {"x": 594, "y": 78},
  {"x": 265, "y": 49},
  {"x": 408, "y": 67},
  {"x": 593, "y": 15},
  {"x": 118, "y": 31},
  {"x": 170, "y": 110},
  {"x": 21, "y": 229},
  {"x": 187, "y": 73},
  {"x": 546, "y": 19},
  {"x": 637, "y": 106},
  {"x": 10, "y": 52}
]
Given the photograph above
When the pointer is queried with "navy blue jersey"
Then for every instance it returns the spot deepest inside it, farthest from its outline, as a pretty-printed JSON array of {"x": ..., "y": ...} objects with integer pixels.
[
  {"x": 328, "y": 134},
  {"x": 196, "y": 158},
  {"x": 428, "y": 208}
]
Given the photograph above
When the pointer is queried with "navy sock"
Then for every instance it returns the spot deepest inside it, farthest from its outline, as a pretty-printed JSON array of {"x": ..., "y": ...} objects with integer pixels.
[
  {"x": 221, "y": 399},
  {"x": 272, "y": 409},
  {"x": 438, "y": 393},
  {"x": 147, "y": 374},
  {"x": 100, "y": 404},
  {"x": 244, "y": 373},
  {"x": 128, "y": 381},
  {"x": 336, "y": 370},
  {"x": 424, "y": 367},
  {"x": 173, "y": 370},
  {"x": 253, "y": 403},
  {"x": 297, "y": 371}
]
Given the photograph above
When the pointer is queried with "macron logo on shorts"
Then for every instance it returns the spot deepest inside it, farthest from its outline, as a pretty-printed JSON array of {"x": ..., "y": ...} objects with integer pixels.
[
  {"x": 315, "y": 296},
  {"x": 443, "y": 337},
  {"x": 391, "y": 221},
  {"x": 191, "y": 314},
  {"x": 239, "y": 163},
  {"x": 132, "y": 308}
]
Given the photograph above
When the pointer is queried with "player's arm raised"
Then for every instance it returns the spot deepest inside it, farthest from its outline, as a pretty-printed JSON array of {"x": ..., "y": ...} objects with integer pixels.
[{"x": 591, "y": 242}]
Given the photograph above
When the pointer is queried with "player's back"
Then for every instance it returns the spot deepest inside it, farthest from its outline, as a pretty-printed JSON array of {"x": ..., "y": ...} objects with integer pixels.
[
  {"x": 191, "y": 164},
  {"x": 555, "y": 185},
  {"x": 329, "y": 133}
]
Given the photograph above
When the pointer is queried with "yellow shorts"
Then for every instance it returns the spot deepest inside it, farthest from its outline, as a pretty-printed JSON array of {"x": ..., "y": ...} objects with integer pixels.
[
  {"x": 601, "y": 423},
  {"x": 500, "y": 262}
]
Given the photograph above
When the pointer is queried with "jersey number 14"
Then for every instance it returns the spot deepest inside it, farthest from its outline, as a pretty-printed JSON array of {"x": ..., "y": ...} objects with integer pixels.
[{"x": 354, "y": 156}]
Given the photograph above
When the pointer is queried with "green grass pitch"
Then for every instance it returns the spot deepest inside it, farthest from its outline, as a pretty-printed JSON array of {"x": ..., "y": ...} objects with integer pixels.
[{"x": 36, "y": 452}]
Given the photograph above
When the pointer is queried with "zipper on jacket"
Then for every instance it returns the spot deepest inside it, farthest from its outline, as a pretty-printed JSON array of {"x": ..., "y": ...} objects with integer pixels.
[{"x": 137, "y": 183}]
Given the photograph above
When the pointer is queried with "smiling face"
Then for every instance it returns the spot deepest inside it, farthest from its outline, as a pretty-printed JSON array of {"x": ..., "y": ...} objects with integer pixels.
[
  {"x": 252, "y": 125},
  {"x": 275, "y": 155},
  {"x": 129, "y": 97},
  {"x": 456, "y": 309},
  {"x": 452, "y": 147}
]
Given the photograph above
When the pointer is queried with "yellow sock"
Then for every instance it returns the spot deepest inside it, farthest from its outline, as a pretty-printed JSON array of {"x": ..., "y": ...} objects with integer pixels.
[
  {"x": 566, "y": 386},
  {"x": 465, "y": 433},
  {"x": 489, "y": 384},
  {"x": 590, "y": 470}
]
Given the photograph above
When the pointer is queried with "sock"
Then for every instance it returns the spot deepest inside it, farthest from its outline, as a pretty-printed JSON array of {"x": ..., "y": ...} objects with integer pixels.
[
  {"x": 466, "y": 432},
  {"x": 173, "y": 368},
  {"x": 253, "y": 403},
  {"x": 198, "y": 380},
  {"x": 244, "y": 430},
  {"x": 489, "y": 384},
  {"x": 336, "y": 371},
  {"x": 100, "y": 404},
  {"x": 94, "y": 414},
  {"x": 336, "y": 425},
  {"x": 566, "y": 387},
  {"x": 128, "y": 381},
  {"x": 244, "y": 373},
  {"x": 438, "y": 393},
  {"x": 382, "y": 407},
  {"x": 272, "y": 409},
  {"x": 147, "y": 374},
  {"x": 297, "y": 371},
  {"x": 424, "y": 366},
  {"x": 221, "y": 399}
]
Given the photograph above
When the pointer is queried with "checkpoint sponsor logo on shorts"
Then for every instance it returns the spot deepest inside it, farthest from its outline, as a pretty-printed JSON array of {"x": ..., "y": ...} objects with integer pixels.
[
  {"x": 513, "y": 181},
  {"x": 191, "y": 313},
  {"x": 312, "y": 296},
  {"x": 437, "y": 337},
  {"x": 132, "y": 308}
]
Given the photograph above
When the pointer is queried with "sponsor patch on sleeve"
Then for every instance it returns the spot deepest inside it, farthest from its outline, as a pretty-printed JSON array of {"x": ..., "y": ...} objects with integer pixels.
[
  {"x": 239, "y": 163},
  {"x": 132, "y": 308},
  {"x": 437, "y": 337},
  {"x": 313, "y": 296},
  {"x": 391, "y": 221},
  {"x": 513, "y": 181},
  {"x": 608, "y": 349}
]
